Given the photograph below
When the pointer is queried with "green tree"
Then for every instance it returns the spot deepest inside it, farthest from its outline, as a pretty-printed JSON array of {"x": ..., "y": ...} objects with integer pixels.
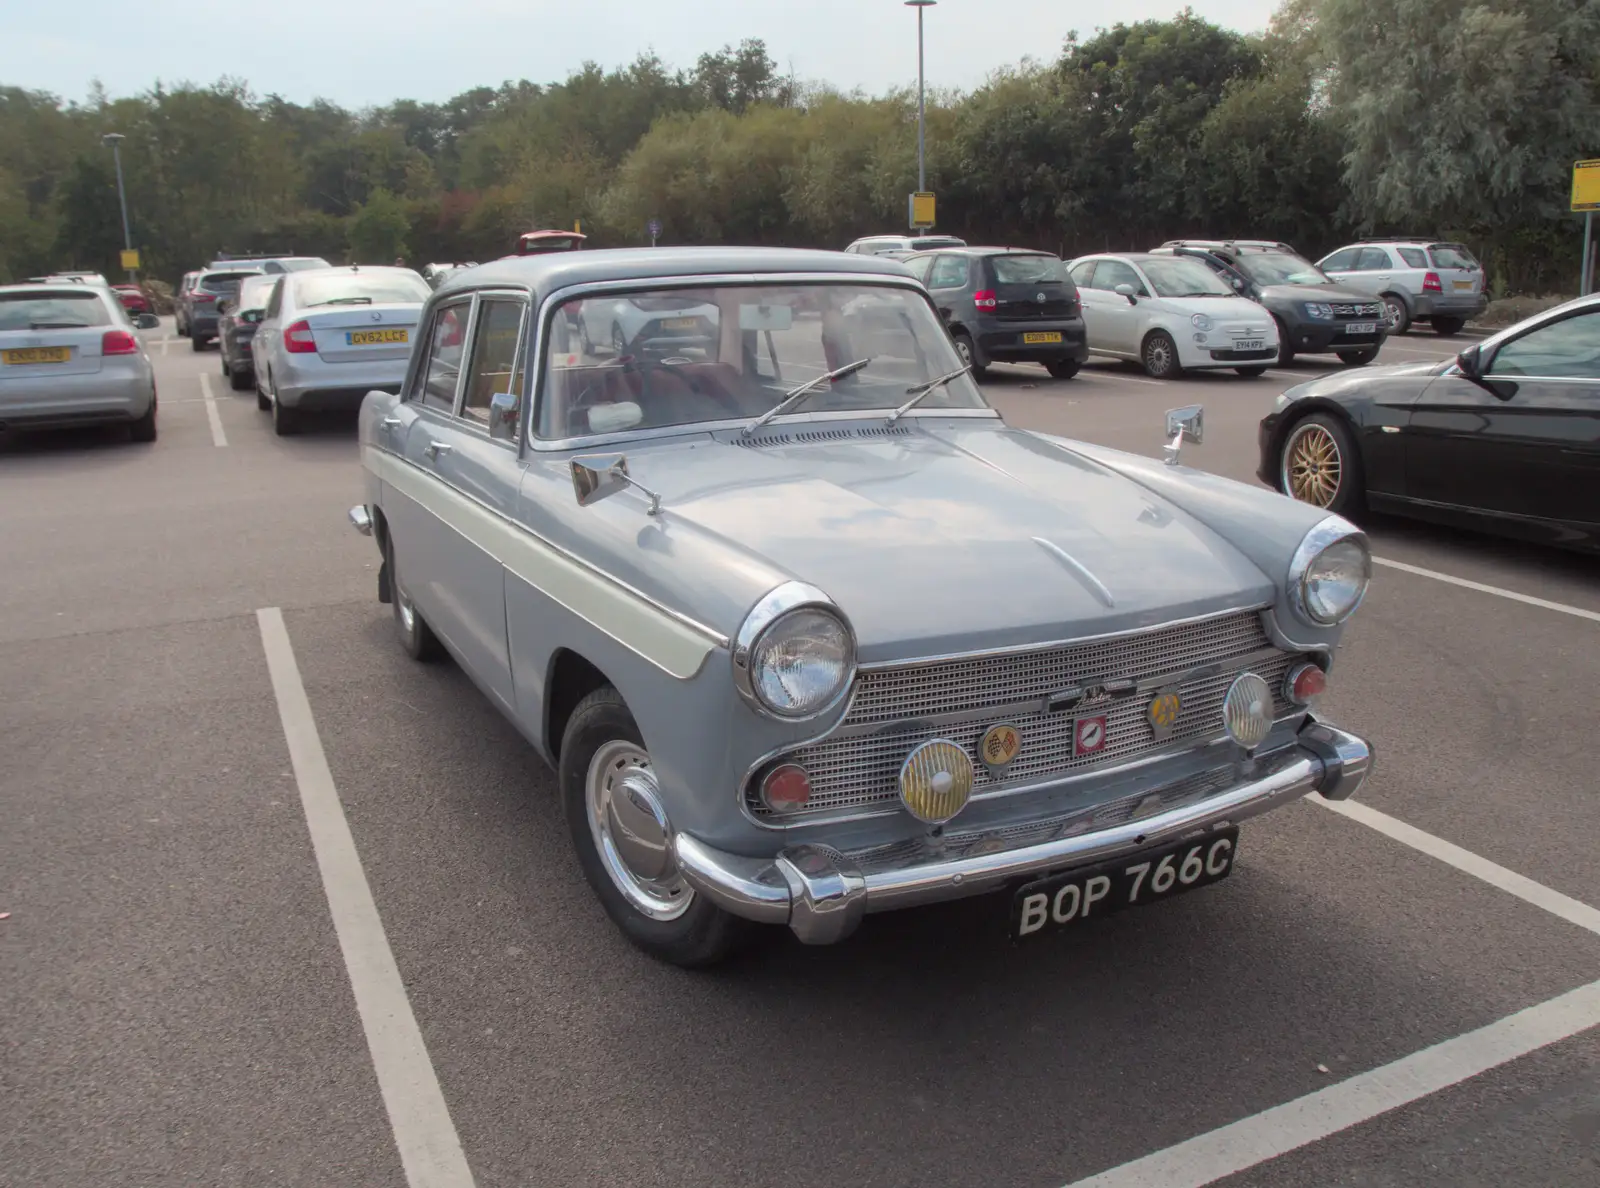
[{"x": 377, "y": 229}]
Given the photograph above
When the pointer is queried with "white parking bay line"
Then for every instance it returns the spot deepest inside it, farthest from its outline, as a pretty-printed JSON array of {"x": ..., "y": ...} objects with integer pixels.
[
  {"x": 1542, "y": 603},
  {"x": 1271, "y": 1133},
  {"x": 1571, "y": 910},
  {"x": 217, "y": 437},
  {"x": 430, "y": 1150}
]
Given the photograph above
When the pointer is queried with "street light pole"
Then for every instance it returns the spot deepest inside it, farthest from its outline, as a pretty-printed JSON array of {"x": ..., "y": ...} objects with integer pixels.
[
  {"x": 115, "y": 139},
  {"x": 922, "y": 133}
]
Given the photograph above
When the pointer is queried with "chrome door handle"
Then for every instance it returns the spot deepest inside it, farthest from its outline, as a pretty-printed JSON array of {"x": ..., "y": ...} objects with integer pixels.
[
  {"x": 435, "y": 449},
  {"x": 390, "y": 423}
]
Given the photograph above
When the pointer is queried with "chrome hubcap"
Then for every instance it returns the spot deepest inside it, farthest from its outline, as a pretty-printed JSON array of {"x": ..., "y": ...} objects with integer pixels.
[
  {"x": 1157, "y": 357},
  {"x": 408, "y": 613},
  {"x": 1312, "y": 467},
  {"x": 1392, "y": 313},
  {"x": 963, "y": 350},
  {"x": 631, "y": 831},
  {"x": 618, "y": 344}
]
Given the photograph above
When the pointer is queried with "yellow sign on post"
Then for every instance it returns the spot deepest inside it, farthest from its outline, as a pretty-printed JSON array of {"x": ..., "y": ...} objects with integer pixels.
[
  {"x": 130, "y": 260},
  {"x": 922, "y": 211},
  {"x": 1586, "y": 185}
]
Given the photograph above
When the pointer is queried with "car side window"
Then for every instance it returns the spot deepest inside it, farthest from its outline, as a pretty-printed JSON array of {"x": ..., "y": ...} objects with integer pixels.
[
  {"x": 1373, "y": 259},
  {"x": 1083, "y": 274},
  {"x": 1112, "y": 273},
  {"x": 1414, "y": 257},
  {"x": 275, "y": 302},
  {"x": 949, "y": 272},
  {"x": 920, "y": 267},
  {"x": 1568, "y": 349},
  {"x": 1342, "y": 260},
  {"x": 446, "y": 343},
  {"x": 495, "y": 365}
]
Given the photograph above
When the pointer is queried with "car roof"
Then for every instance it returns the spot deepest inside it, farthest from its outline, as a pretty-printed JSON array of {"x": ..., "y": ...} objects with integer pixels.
[
  {"x": 47, "y": 289},
  {"x": 978, "y": 250},
  {"x": 545, "y": 274},
  {"x": 1131, "y": 257},
  {"x": 1224, "y": 245}
]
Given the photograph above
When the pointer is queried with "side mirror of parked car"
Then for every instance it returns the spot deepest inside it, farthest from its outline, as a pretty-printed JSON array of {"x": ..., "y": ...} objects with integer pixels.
[
  {"x": 600, "y": 476},
  {"x": 253, "y": 316},
  {"x": 1470, "y": 361},
  {"x": 1127, "y": 291},
  {"x": 147, "y": 321},
  {"x": 1183, "y": 424},
  {"x": 503, "y": 416}
]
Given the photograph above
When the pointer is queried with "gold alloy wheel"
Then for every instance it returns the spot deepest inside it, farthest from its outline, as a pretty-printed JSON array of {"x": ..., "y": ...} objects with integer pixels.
[{"x": 1313, "y": 468}]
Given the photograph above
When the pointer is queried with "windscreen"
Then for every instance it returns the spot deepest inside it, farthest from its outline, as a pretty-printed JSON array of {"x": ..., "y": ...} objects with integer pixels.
[
  {"x": 1028, "y": 270},
  {"x": 1176, "y": 276},
  {"x": 1280, "y": 268},
  {"x": 225, "y": 282},
  {"x": 254, "y": 293},
  {"x": 730, "y": 353},
  {"x": 301, "y": 263},
  {"x": 52, "y": 311},
  {"x": 929, "y": 242},
  {"x": 391, "y": 286}
]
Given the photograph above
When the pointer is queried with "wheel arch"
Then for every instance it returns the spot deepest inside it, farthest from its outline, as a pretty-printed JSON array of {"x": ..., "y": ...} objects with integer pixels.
[
  {"x": 569, "y": 678},
  {"x": 1403, "y": 297},
  {"x": 1302, "y": 410}
]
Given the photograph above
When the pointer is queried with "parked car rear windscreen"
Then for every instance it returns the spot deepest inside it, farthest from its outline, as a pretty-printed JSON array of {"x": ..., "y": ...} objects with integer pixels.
[
  {"x": 1451, "y": 255},
  {"x": 51, "y": 311},
  {"x": 1028, "y": 270},
  {"x": 362, "y": 288}
]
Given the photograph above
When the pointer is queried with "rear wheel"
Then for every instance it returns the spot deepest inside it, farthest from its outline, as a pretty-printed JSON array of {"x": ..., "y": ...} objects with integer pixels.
[
  {"x": 416, "y": 637},
  {"x": 1358, "y": 358},
  {"x": 1063, "y": 369},
  {"x": 969, "y": 354},
  {"x": 1395, "y": 314},
  {"x": 619, "y": 342},
  {"x": 1251, "y": 372},
  {"x": 144, "y": 429},
  {"x": 1160, "y": 356},
  {"x": 196, "y": 343},
  {"x": 240, "y": 380},
  {"x": 1448, "y": 327},
  {"x": 1285, "y": 345},
  {"x": 285, "y": 421},
  {"x": 623, "y": 839},
  {"x": 1318, "y": 464}
]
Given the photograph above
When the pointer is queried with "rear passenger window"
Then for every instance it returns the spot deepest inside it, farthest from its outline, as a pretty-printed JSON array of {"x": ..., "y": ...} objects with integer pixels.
[
  {"x": 949, "y": 272},
  {"x": 920, "y": 267},
  {"x": 495, "y": 365},
  {"x": 1414, "y": 257},
  {"x": 1083, "y": 274},
  {"x": 1372, "y": 260},
  {"x": 446, "y": 344}
]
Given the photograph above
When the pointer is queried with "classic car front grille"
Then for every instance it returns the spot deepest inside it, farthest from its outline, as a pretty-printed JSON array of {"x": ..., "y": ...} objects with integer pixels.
[
  {"x": 895, "y": 708},
  {"x": 1346, "y": 309}
]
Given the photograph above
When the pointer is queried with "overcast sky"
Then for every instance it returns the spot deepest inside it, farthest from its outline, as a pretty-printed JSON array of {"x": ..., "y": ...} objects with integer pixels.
[{"x": 363, "y": 52}]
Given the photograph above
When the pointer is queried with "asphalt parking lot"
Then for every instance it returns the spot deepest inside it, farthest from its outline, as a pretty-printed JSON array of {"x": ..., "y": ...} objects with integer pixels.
[{"x": 1401, "y": 994}]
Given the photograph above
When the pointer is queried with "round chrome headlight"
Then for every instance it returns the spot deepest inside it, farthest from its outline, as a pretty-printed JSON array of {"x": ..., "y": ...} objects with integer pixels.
[
  {"x": 795, "y": 655},
  {"x": 1201, "y": 322},
  {"x": 1330, "y": 572}
]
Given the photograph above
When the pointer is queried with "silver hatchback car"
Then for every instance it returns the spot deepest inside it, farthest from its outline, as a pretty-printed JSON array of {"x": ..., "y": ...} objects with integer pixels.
[
  {"x": 330, "y": 336},
  {"x": 69, "y": 356}
]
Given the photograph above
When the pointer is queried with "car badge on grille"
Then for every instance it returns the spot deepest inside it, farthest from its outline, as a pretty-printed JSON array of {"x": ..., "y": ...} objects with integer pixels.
[
  {"x": 1039, "y": 297},
  {"x": 377, "y": 317},
  {"x": 1162, "y": 712},
  {"x": 1084, "y": 697},
  {"x": 1089, "y": 735},
  {"x": 999, "y": 746}
]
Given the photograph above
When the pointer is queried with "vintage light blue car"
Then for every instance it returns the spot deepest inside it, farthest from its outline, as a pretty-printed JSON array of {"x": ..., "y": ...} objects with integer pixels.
[{"x": 808, "y": 631}]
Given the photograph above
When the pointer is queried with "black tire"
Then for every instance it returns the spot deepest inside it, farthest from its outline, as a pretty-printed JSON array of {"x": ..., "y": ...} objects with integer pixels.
[
  {"x": 1347, "y": 493},
  {"x": 1251, "y": 372},
  {"x": 196, "y": 343},
  {"x": 1159, "y": 354},
  {"x": 1396, "y": 313},
  {"x": 619, "y": 344},
  {"x": 703, "y": 934},
  {"x": 241, "y": 380},
  {"x": 222, "y": 357},
  {"x": 179, "y": 328},
  {"x": 1063, "y": 369},
  {"x": 1358, "y": 358},
  {"x": 285, "y": 421},
  {"x": 584, "y": 341},
  {"x": 417, "y": 639},
  {"x": 262, "y": 400},
  {"x": 1448, "y": 327},
  {"x": 1285, "y": 345},
  {"x": 968, "y": 350},
  {"x": 144, "y": 429}
]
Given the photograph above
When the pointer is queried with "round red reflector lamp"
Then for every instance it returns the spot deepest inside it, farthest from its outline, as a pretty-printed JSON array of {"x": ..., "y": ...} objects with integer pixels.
[
  {"x": 786, "y": 789},
  {"x": 1305, "y": 682}
]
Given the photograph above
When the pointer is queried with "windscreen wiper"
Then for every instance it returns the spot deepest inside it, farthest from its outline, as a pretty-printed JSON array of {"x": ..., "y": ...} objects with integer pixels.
[
  {"x": 344, "y": 301},
  {"x": 795, "y": 395},
  {"x": 58, "y": 325},
  {"x": 921, "y": 392}
]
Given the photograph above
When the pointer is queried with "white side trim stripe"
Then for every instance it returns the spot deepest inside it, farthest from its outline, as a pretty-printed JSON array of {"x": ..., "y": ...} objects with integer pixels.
[{"x": 672, "y": 646}]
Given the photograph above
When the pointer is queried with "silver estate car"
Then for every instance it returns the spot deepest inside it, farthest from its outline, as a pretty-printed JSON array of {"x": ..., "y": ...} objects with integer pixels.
[
  {"x": 808, "y": 631},
  {"x": 69, "y": 356},
  {"x": 331, "y": 335}
]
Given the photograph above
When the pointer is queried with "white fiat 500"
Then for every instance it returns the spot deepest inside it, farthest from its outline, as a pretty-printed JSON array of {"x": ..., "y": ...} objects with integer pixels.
[{"x": 1172, "y": 315}]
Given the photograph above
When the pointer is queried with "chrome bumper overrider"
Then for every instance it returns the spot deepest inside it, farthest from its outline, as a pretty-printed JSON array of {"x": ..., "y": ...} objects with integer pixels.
[
  {"x": 822, "y": 894},
  {"x": 360, "y": 520}
]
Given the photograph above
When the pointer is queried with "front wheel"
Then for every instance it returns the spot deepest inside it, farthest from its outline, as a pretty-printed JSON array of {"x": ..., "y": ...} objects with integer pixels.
[
  {"x": 1448, "y": 327},
  {"x": 623, "y": 839},
  {"x": 1160, "y": 356},
  {"x": 1318, "y": 464},
  {"x": 1285, "y": 345},
  {"x": 1358, "y": 358},
  {"x": 1063, "y": 369},
  {"x": 1395, "y": 314}
]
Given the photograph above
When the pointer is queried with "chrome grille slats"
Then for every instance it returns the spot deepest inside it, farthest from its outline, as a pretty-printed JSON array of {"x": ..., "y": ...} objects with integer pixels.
[
  {"x": 857, "y": 767},
  {"x": 1350, "y": 309}
]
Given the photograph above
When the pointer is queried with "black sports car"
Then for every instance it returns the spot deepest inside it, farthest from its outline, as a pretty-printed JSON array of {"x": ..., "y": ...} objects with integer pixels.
[{"x": 1504, "y": 438}]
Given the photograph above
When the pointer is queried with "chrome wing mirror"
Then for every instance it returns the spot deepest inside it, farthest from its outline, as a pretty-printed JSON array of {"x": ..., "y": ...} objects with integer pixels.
[
  {"x": 1183, "y": 424},
  {"x": 599, "y": 476},
  {"x": 503, "y": 416}
]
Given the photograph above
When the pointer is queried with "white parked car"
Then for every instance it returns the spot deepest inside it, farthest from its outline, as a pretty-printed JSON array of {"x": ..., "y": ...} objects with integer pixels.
[
  {"x": 330, "y": 336},
  {"x": 1172, "y": 314},
  {"x": 69, "y": 356}
]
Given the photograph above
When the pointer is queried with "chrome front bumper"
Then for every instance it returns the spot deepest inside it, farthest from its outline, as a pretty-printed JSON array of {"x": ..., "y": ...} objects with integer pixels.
[{"x": 821, "y": 894}]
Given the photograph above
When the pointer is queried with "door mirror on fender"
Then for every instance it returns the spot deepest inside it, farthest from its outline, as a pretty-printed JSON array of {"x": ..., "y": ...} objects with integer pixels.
[
  {"x": 1127, "y": 291},
  {"x": 1471, "y": 362},
  {"x": 503, "y": 416}
]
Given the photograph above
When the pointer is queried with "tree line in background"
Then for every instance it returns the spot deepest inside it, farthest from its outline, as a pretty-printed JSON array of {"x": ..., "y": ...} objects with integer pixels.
[{"x": 1458, "y": 118}]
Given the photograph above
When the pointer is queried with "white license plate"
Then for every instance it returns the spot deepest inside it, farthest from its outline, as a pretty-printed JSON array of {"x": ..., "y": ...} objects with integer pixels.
[
  {"x": 1361, "y": 328},
  {"x": 1249, "y": 344}
]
